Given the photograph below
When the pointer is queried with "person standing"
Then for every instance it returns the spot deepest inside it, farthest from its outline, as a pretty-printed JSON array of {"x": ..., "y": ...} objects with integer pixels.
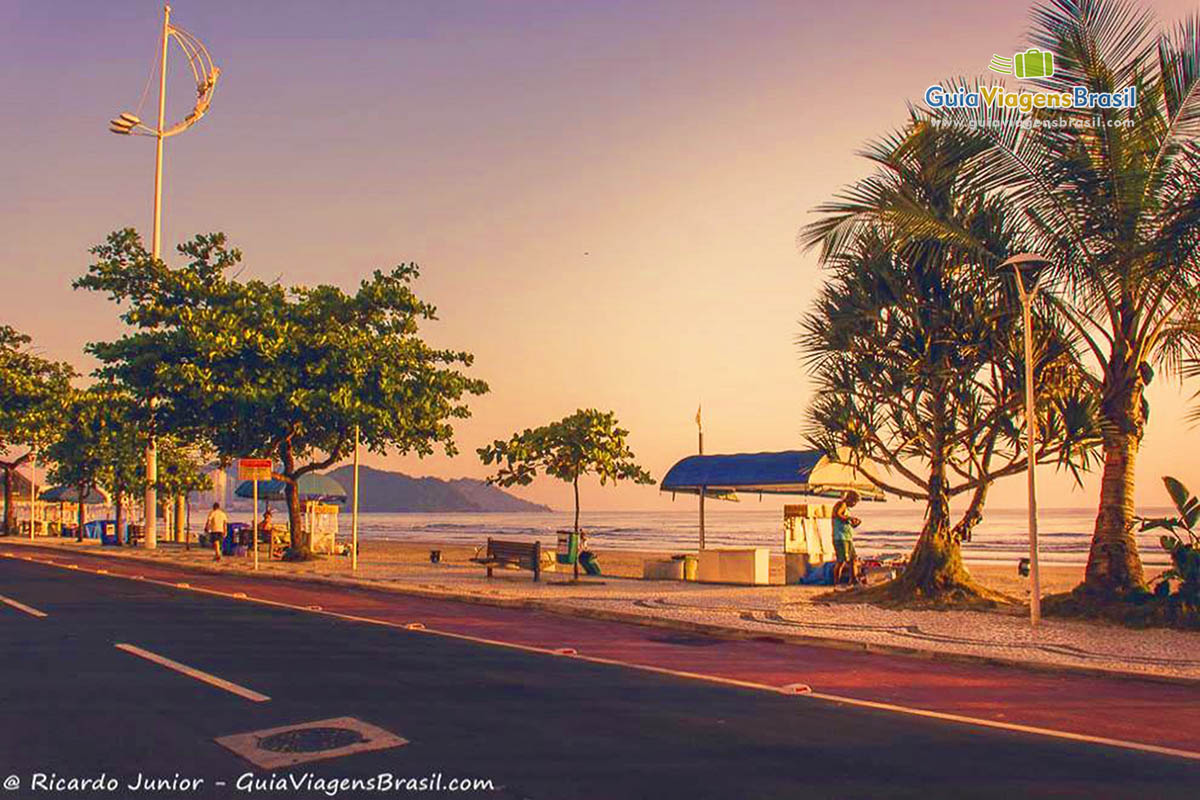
[
  {"x": 215, "y": 526},
  {"x": 843, "y": 537}
]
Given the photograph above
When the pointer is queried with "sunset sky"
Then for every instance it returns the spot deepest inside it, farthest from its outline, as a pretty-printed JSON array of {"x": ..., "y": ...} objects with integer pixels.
[{"x": 603, "y": 196}]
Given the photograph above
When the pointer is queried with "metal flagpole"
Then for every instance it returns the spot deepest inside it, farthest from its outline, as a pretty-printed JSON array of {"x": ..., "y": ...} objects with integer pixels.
[
  {"x": 354, "y": 510},
  {"x": 703, "y": 489},
  {"x": 32, "y": 490}
]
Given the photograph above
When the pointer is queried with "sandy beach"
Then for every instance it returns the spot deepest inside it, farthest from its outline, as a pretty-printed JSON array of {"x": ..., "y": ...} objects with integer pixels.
[{"x": 377, "y": 556}]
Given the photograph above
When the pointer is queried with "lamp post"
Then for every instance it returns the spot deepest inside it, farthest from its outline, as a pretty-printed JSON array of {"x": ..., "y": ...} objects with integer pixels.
[
  {"x": 125, "y": 124},
  {"x": 1030, "y": 264}
]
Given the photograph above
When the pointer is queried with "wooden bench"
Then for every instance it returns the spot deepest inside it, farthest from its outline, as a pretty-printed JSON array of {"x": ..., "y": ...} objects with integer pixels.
[{"x": 521, "y": 554}]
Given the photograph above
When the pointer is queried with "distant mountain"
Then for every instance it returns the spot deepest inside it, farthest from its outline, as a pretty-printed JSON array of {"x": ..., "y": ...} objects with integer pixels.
[{"x": 380, "y": 490}]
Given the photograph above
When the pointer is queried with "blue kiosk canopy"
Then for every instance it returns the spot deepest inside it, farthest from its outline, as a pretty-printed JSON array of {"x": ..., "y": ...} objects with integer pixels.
[{"x": 802, "y": 472}]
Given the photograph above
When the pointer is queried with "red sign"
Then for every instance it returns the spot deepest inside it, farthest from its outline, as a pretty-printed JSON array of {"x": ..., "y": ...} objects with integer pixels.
[{"x": 254, "y": 469}]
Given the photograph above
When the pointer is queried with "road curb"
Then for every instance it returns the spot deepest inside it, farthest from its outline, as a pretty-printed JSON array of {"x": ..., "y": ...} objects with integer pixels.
[{"x": 610, "y": 615}]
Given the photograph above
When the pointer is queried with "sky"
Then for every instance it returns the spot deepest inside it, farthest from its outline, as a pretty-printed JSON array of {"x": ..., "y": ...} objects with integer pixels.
[{"x": 603, "y": 196}]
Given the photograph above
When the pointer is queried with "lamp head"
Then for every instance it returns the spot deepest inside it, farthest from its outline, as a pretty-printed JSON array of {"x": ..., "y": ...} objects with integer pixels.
[
  {"x": 1025, "y": 262},
  {"x": 124, "y": 123}
]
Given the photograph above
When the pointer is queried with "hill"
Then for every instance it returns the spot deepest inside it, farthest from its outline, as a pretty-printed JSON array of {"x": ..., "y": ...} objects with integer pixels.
[{"x": 395, "y": 492}]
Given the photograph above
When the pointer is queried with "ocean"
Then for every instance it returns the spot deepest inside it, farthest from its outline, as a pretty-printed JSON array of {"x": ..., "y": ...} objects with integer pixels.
[{"x": 1063, "y": 533}]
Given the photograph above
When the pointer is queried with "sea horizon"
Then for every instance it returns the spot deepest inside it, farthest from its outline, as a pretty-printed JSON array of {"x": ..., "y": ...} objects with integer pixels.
[{"x": 1064, "y": 533}]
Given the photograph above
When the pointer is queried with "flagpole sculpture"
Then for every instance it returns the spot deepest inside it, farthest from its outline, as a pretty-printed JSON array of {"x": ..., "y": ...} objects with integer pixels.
[
  {"x": 129, "y": 124},
  {"x": 700, "y": 433}
]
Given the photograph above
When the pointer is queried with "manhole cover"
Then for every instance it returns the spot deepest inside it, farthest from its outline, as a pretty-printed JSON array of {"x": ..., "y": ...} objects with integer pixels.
[{"x": 310, "y": 740}]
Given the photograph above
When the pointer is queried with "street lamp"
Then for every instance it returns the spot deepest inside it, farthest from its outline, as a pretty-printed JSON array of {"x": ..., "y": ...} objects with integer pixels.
[
  {"x": 1030, "y": 265},
  {"x": 127, "y": 124}
]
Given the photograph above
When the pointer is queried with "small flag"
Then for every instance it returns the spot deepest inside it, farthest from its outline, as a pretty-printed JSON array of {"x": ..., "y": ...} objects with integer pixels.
[{"x": 698, "y": 416}]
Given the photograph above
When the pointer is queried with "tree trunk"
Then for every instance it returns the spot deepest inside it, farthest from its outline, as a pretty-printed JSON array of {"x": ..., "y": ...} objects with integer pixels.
[
  {"x": 935, "y": 568},
  {"x": 578, "y": 549},
  {"x": 179, "y": 518},
  {"x": 119, "y": 501},
  {"x": 80, "y": 515},
  {"x": 10, "y": 514},
  {"x": 301, "y": 545},
  {"x": 1114, "y": 566},
  {"x": 973, "y": 515}
]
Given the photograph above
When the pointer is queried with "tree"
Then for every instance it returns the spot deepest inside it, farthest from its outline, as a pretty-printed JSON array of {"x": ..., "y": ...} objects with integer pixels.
[
  {"x": 588, "y": 442},
  {"x": 1114, "y": 199},
  {"x": 32, "y": 390},
  {"x": 258, "y": 369},
  {"x": 915, "y": 346},
  {"x": 179, "y": 462},
  {"x": 83, "y": 452}
]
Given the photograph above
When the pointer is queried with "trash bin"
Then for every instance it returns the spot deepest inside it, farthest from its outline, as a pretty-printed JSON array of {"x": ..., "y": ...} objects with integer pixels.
[
  {"x": 567, "y": 550},
  {"x": 237, "y": 534},
  {"x": 690, "y": 563}
]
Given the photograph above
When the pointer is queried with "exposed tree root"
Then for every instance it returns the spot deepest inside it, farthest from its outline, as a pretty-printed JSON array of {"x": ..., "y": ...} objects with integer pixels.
[
  {"x": 963, "y": 593},
  {"x": 1134, "y": 609}
]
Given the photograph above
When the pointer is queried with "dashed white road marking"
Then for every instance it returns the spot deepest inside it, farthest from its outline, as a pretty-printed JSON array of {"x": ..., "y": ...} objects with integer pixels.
[
  {"x": 192, "y": 672},
  {"x": 30, "y": 610}
]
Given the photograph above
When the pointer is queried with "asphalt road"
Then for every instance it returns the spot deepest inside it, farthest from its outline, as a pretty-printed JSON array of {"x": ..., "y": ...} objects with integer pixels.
[{"x": 538, "y": 726}]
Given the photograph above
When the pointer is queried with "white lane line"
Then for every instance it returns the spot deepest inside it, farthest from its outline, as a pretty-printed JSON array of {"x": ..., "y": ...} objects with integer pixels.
[
  {"x": 1009, "y": 726},
  {"x": 192, "y": 672},
  {"x": 30, "y": 610},
  {"x": 896, "y": 709}
]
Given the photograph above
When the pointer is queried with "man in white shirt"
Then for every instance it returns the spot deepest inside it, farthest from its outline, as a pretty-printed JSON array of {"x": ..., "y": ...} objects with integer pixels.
[{"x": 215, "y": 527}]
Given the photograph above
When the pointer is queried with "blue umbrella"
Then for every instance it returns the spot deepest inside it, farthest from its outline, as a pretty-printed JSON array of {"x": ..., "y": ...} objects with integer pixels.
[
  {"x": 311, "y": 486},
  {"x": 70, "y": 494}
]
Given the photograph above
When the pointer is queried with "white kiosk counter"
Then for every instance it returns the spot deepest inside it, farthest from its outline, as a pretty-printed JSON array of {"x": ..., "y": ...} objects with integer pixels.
[{"x": 749, "y": 566}]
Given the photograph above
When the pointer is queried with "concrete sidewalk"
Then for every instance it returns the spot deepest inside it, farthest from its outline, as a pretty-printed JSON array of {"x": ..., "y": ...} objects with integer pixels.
[{"x": 787, "y": 613}]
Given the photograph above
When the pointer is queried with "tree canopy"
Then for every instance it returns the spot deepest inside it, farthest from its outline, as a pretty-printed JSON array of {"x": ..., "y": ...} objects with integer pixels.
[
  {"x": 915, "y": 346},
  {"x": 33, "y": 391},
  {"x": 259, "y": 369},
  {"x": 589, "y": 442}
]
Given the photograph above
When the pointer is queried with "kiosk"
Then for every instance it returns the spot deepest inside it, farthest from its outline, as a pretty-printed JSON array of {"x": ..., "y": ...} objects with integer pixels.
[{"x": 807, "y": 528}]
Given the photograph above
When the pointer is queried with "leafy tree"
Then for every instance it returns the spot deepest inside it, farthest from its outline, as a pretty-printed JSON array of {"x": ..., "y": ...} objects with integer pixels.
[
  {"x": 83, "y": 452},
  {"x": 916, "y": 351},
  {"x": 1112, "y": 197},
  {"x": 258, "y": 369},
  {"x": 179, "y": 462},
  {"x": 588, "y": 442},
  {"x": 32, "y": 390}
]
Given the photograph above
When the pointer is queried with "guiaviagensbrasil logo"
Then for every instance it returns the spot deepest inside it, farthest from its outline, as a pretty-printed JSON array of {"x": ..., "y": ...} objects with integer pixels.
[{"x": 1032, "y": 64}]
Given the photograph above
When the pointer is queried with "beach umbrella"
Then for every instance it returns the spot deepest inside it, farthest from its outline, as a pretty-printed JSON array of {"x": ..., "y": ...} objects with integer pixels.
[
  {"x": 311, "y": 486},
  {"x": 70, "y": 494}
]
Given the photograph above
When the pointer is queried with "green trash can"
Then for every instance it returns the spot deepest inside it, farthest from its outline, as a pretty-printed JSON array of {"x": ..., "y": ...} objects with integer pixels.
[{"x": 567, "y": 551}]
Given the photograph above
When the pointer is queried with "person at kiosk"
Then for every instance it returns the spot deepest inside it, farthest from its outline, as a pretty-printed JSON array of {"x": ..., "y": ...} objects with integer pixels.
[
  {"x": 843, "y": 537},
  {"x": 264, "y": 527}
]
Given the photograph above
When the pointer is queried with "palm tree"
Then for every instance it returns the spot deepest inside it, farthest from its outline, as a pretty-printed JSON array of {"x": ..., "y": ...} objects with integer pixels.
[
  {"x": 1113, "y": 197},
  {"x": 917, "y": 371}
]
